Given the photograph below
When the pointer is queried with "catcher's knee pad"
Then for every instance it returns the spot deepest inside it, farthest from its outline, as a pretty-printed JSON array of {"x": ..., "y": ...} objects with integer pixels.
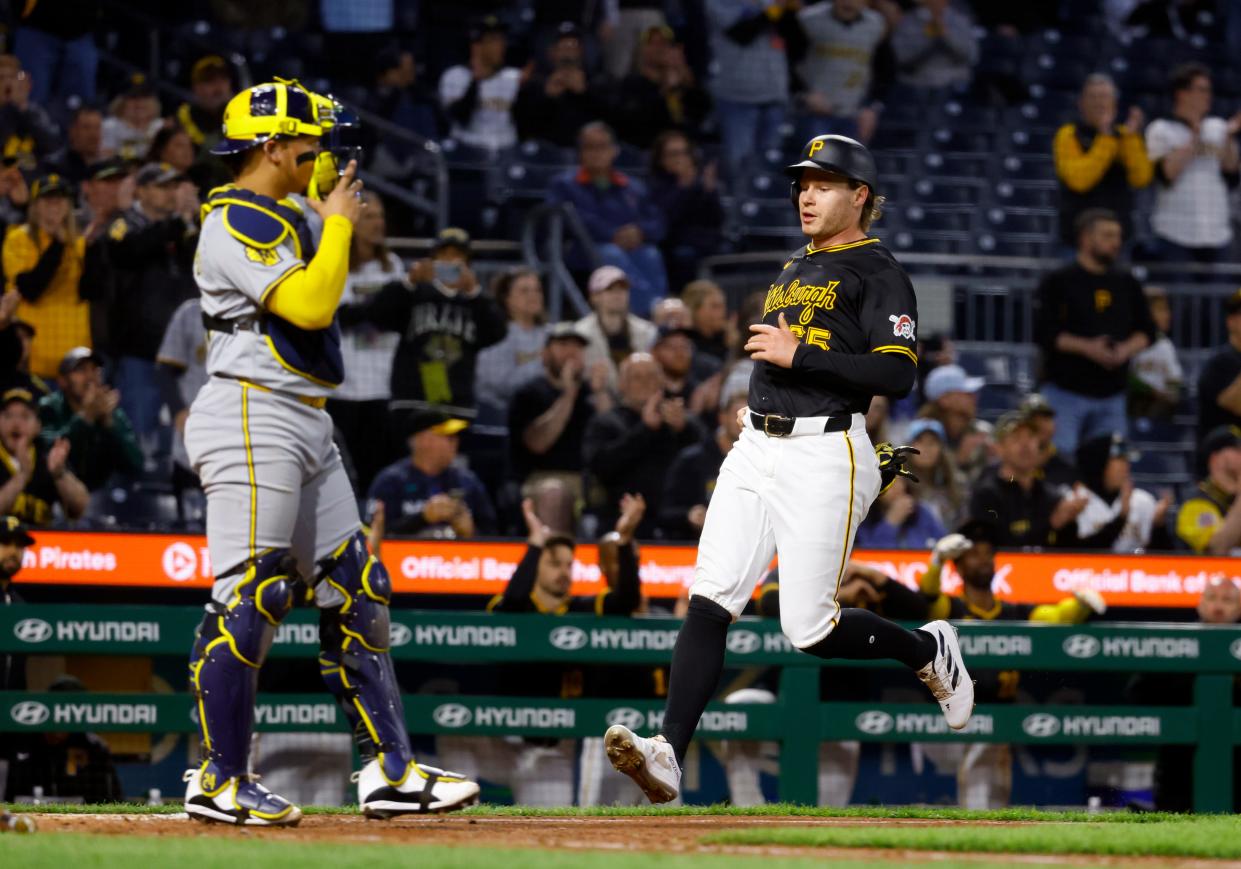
[
  {"x": 231, "y": 645},
  {"x": 353, "y": 654}
]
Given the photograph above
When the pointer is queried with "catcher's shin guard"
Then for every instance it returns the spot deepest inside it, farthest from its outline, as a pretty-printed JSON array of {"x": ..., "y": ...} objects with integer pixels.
[
  {"x": 353, "y": 656},
  {"x": 232, "y": 642}
]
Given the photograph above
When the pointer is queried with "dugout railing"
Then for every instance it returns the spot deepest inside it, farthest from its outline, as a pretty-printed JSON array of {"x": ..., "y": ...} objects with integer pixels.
[{"x": 1209, "y": 655}]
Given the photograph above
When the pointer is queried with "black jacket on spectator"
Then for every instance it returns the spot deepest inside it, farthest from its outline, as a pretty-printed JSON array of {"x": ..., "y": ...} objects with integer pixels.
[
  {"x": 640, "y": 111},
  {"x": 695, "y": 220},
  {"x": 152, "y": 263},
  {"x": 1082, "y": 303},
  {"x": 690, "y": 482},
  {"x": 529, "y": 403},
  {"x": 27, "y": 131},
  {"x": 441, "y": 335},
  {"x": 70, "y": 165},
  {"x": 1217, "y": 375},
  {"x": 625, "y": 455},
  {"x": 1022, "y": 518},
  {"x": 554, "y": 119}
]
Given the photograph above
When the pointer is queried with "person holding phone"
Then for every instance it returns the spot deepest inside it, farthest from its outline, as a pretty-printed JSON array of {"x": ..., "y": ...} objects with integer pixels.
[{"x": 444, "y": 320}]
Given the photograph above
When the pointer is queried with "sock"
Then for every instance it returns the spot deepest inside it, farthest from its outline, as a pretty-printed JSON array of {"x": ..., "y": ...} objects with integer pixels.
[
  {"x": 862, "y": 635},
  {"x": 697, "y": 661}
]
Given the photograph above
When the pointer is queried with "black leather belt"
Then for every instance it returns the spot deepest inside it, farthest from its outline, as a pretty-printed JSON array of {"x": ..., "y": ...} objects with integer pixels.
[
  {"x": 222, "y": 324},
  {"x": 778, "y": 426}
]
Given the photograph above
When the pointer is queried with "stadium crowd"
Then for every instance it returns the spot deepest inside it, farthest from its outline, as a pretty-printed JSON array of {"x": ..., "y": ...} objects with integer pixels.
[{"x": 467, "y": 413}]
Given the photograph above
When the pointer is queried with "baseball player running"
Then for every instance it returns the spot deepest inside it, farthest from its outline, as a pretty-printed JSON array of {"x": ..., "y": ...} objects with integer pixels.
[
  {"x": 280, "y": 511},
  {"x": 838, "y": 328}
]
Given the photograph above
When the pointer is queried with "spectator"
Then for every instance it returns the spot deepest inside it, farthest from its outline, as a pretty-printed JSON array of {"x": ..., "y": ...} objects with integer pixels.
[
  {"x": 56, "y": 43},
  {"x": 83, "y": 146},
  {"x": 660, "y": 94},
  {"x": 444, "y": 321},
  {"x": 1156, "y": 375},
  {"x": 106, "y": 193},
  {"x": 935, "y": 47},
  {"x": 952, "y": 400},
  {"x": 941, "y": 488},
  {"x": 977, "y": 450},
  {"x": 1196, "y": 162},
  {"x": 750, "y": 42},
  {"x": 359, "y": 407},
  {"x": 505, "y": 366},
  {"x": 843, "y": 36},
  {"x": 33, "y": 477},
  {"x": 1059, "y": 472},
  {"x": 1092, "y": 319},
  {"x": 56, "y": 272},
  {"x": 688, "y": 196},
  {"x": 629, "y": 448},
  {"x": 1219, "y": 382},
  {"x": 400, "y": 97},
  {"x": 479, "y": 98},
  {"x": 181, "y": 370},
  {"x": 621, "y": 219},
  {"x": 691, "y": 477},
  {"x": 1099, "y": 162},
  {"x": 14, "y": 541},
  {"x": 425, "y": 495},
  {"x": 26, "y": 132},
  {"x": 1114, "y": 506},
  {"x": 624, "y": 24},
  {"x": 1186, "y": 20},
  {"x": 1014, "y": 497},
  {"x": 548, "y": 415},
  {"x": 1210, "y": 522},
  {"x": 984, "y": 770},
  {"x": 151, "y": 247},
  {"x": 135, "y": 119},
  {"x": 86, "y": 413},
  {"x": 16, "y": 338},
  {"x": 211, "y": 86},
  {"x": 901, "y": 522},
  {"x": 558, "y": 100},
  {"x": 673, "y": 352},
  {"x": 172, "y": 145},
  {"x": 611, "y": 332},
  {"x": 670, "y": 313},
  {"x": 708, "y": 309}
]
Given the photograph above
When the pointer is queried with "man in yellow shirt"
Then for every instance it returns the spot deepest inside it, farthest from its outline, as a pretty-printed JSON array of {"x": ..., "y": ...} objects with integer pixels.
[{"x": 1210, "y": 522}]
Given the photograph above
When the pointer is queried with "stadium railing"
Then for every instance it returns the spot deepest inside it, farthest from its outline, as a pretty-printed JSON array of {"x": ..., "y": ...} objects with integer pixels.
[{"x": 1209, "y": 655}]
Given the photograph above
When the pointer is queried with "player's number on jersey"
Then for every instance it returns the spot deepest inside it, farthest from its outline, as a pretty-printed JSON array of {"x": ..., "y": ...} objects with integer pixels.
[{"x": 815, "y": 336}]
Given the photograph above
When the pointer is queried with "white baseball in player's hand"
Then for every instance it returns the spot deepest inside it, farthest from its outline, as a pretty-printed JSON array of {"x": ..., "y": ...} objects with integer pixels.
[
  {"x": 772, "y": 344},
  {"x": 1090, "y": 598}
]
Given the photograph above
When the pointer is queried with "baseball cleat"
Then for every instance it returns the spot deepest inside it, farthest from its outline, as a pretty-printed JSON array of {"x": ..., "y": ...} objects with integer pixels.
[
  {"x": 947, "y": 677},
  {"x": 239, "y": 800},
  {"x": 651, "y": 763},
  {"x": 422, "y": 790}
]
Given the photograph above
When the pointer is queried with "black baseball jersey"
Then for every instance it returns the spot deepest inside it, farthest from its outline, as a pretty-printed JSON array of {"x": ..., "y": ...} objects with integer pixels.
[{"x": 853, "y": 307}]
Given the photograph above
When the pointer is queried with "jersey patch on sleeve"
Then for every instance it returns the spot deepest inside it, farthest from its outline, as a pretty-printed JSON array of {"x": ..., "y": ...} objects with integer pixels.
[
  {"x": 268, "y": 257},
  {"x": 902, "y": 326}
]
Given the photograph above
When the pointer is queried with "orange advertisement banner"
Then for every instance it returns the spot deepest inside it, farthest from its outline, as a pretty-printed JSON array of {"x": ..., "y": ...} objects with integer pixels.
[{"x": 483, "y": 567}]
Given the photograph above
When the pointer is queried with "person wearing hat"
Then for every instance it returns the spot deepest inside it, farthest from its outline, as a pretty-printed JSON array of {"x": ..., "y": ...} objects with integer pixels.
[
  {"x": 56, "y": 271},
  {"x": 673, "y": 351},
  {"x": 151, "y": 247},
  {"x": 425, "y": 495},
  {"x": 558, "y": 98},
  {"x": 1117, "y": 515},
  {"x": 444, "y": 320},
  {"x": 984, "y": 770},
  {"x": 34, "y": 475},
  {"x": 478, "y": 96},
  {"x": 86, "y": 413},
  {"x": 611, "y": 331},
  {"x": 135, "y": 119},
  {"x": 211, "y": 85},
  {"x": 1024, "y": 508},
  {"x": 941, "y": 486},
  {"x": 1091, "y": 320},
  {"x": 1219, "y": 381},
  {"x": 1057, "y": 470},
  {"x": 1209, "y": 523},
  {"x": 952, "y": 399},
  {"x": 105, "y": 194},
  {"x": 617, "y": 212}
]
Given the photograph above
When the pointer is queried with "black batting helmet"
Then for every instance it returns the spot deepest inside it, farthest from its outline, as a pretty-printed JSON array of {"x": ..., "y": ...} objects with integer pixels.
[{"x": 838, "y": 154}]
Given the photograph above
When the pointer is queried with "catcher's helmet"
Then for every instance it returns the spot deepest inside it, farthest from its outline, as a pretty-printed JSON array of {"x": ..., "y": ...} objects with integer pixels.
[
  {"x": 838, "y": 154},
  {"x": 279, "y": 108}
]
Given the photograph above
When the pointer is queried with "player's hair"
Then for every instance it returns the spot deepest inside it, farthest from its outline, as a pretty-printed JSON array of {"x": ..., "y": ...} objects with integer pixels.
[
  {"x": 554, "y": 540},
  {"x": 70, "y": 225},
  {"x": 502, "y": 285},
  {"x": 1098, "y": 78},
  {"x": 1183, "y": 76},
  {"x": 872, "y": 208},
  {"x": 696, "y": 293},
  {"x": 1087, "y": 219},
  {"x": 595, "y": 125}
]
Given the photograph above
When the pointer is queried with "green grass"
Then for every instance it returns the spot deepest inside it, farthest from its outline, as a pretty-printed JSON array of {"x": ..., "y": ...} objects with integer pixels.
[
  {"x": 84, "y": 851},
  {"x": 1209, "y": 836}
]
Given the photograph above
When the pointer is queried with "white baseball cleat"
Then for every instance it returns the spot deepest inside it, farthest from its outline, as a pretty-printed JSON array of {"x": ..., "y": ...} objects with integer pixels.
[
  {"x": 422, "y": 790},
  {"x": 238, "y": 800},
  {"x": 651, "y": 763},
  {"x": 947, "y": 677}
]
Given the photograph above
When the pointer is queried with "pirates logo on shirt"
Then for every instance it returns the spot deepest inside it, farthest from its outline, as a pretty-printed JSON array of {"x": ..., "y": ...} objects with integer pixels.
[{"x": 902, "y": 326}]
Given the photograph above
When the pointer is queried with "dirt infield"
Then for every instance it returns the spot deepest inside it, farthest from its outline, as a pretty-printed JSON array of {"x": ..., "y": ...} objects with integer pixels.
[{"x": 671, "y": 835}]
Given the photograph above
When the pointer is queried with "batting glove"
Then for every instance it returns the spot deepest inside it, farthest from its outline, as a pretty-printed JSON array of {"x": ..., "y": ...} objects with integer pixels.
[
  {"x": 892, "y": 464},
  {"x": 949, "y": 547}
]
